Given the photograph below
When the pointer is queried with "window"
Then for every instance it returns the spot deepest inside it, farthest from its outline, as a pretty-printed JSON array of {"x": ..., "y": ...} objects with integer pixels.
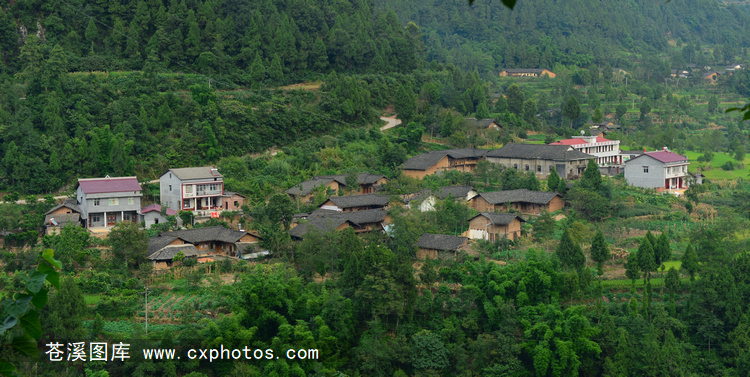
[
  {"x": 189, "y": 189},
  {"x": 645, "y": 169},
  {"x": 186, "y": 203},
  {"x": 131, "y": 200},
  {"x": 515, "y": 166},
  {"x": 114, "y": 201},
  {"x": 170, "y": 187},
  {"x": 527, "y": 167},
  {"x": 97, "y": 202},
  {"x": 156, "y": 221},
  {"x": 95, "y": 218},
  {"x": 539, "y": 168}
]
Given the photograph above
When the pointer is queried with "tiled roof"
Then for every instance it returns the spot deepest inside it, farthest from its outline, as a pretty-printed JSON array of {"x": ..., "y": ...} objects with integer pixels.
[
  {"x": 106, "y": 185},
  {"x": 351, "y": 201},
  {"x": 520, "y": 195},
  {"x": 666, "y": 156},
  {"x": 167, "y": 253},
  {"x": 69, "y": 202},
  {"x": 425, "y": 160},
  {"x": 306, "y": 187},
  {"x": 63, "y": 219},
  {"x": 458, "y": 192},
  {"x": 159, "y": 242},
  {"x": 320, "y": 224},
  {"x": 539, "y": 151},
  {"x": 157, "y": 208},
  {"x": 214, "y": 233},
  {"x": 440, "y": 242},
  {"x": 497, "y": 218},
  {"x": 203, "y": 172},
  {"x": 309, "y": 185}
]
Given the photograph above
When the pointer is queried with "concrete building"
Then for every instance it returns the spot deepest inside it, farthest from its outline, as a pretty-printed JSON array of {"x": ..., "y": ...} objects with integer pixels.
[
  {"x": 198, "y": 189},
  {"x": 522, "y": 200},
  {"x": 659, "y": 169},
  {"x": 541, "y": 159},
  {"x": 103, "y": 202},
  {"x": 605, "y": 151}
]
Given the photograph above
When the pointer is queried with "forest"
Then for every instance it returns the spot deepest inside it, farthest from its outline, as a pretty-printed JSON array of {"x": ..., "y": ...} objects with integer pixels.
[{"x": 623, "y": 281}]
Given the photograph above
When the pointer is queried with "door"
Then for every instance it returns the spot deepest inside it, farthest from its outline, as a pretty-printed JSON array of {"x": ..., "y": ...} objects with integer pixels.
[{"x": 110, "y": 219}]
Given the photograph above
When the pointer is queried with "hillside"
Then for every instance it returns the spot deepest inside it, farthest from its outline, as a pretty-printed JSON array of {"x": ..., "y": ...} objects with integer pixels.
[{"x": 487, "y": 36}]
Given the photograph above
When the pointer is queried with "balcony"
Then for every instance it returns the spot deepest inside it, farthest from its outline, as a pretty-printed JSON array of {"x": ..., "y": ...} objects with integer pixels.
[{"x": 206, "y": 192}]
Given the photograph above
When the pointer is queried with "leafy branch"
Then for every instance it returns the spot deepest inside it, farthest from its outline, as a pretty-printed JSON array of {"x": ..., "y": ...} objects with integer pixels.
[{"x": 22, "y": 311}]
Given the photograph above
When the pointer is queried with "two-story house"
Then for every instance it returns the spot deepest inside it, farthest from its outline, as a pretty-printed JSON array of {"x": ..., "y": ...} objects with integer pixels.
[
  {"x": 659, "y": 169},
  {"x": 193, "y": 189},
  {"x": 541, "y": 159},
  {"x": 605, "y": 151},
  {"x": 103, "y": 202}
]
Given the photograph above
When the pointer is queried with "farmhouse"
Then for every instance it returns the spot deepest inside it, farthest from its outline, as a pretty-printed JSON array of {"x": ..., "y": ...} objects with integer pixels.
[
  {"x": 151, "y": 214},
  {"x": 61, "y": 215},
  {"x": 106, "y": 201},
  {"x": 213, "y": 240},
  {"x": 425, "y": 199},
  {"x": 522, "y": 200},
  {"x": 440, "y": 246},
  {"x": 197, "y": 189},
  {"x": 492, "y": 226},
  {"x": 541, "y": 159},
  {"x": 464, "y": 159},
  {"x": 659, "y": 169},
  {"x": 304, "y": 191},
  {"x": 325, "y": 221},
  {"x": 350, "y": 203}
]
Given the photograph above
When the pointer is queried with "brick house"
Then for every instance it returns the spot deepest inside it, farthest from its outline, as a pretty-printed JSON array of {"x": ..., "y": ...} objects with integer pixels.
[
  {"x": 361, "y": 202},
  {"x": 492, "y": 226},
  {"x": 233, "y": 201},
  {"x": 325, "y": 221},
  {"x": 526, "y": 72},
  {"x": 522, "y": 200},
  {"x": 425, "y": 199},
  {"x": 440, "y": 246},
  {"x": 215, "y": 240},
  {"x": 61, "y": 215},
  {"x": 464, "y": 159},
  {"x": 107, "y": 201},
  {"x": 304, "y": 191}
]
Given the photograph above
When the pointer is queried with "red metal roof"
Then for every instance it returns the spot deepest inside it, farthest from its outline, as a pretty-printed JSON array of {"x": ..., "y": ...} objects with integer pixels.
[
  {"x": 104, "y": 185},
  {"x": 599, "y": 139},
  {"x": 157, "y": 208},
  {"x": 666, "y": 156}
]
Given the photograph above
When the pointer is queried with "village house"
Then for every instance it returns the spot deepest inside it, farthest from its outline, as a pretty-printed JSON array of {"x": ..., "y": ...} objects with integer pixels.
[
  {"x": 233, "y": 201},
  {"x": 305, "y": 191},
  {"x": 605, "y": 151},
  {"x": 481, "y": 124},
  {"x": 325, "y": 221},
  {"x": 207, "y": 242},
  {"x": 440, "y": 246},
  {"x": 464, "y": 159},
  {"x": 351, "y": 203},
  {"x": 162, "y": 250},
  {"x": 541, "y": 159},
  {"x": 104, "y": 202},
  {"x": 492, "y": 226},
  {"x": 199, "y": 190},
  {"x": 425, "y": 199},
  {"x": 522, "y": 200},
  {"x": 526, "y": 72},
  {"x": 658, "y": 169},
  {"x": 62, "y": 215},
  {"x": 151, "y": 215}
]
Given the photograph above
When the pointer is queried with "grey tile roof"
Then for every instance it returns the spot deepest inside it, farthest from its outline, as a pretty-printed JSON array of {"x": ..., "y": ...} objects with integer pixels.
[
  {"x": 159, "y": 242},
  {"x": 458, "y": 192},
  {"x": 214, "y": 233},
  {"x": 309, "y": 185},
  {"x": 539, "y": 151},
  {"x": 325, "y": 220},
  {"x": 363, "y": 200},
  {"x": 321, "y": 224},
  {"x": 69, "y": 202},
  {"x": 520, "y": 195},
  {"x": 168, "y": 252},
  {"x": 196, "y": 173},
  {"x": 63, "y": 219},
  {"x": 497, "y": 218},
  {"x": 440, "y": 242}
]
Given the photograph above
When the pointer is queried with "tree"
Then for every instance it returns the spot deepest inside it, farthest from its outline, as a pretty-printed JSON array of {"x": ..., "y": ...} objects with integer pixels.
[
  {"x": 645, "y": 108},
  {"x": 690, "y": 261},
  {"x": 572, "y": 110},
  {"x": 592, "y": 177},
  {"x": 713, "y": 104},
  {"x": 65, "y": 312},
  {"x": 405, "y": 103},
  {"x": 553, "y": 180},
  {"x": 632, "y": 270},
  {"x": 599, "y": 251},
  {"x": 257, "y": 71},
  {"x": 544, "y": 226},
  {"x": 569, "y": 253},
  {"x": 620, "y": 110},
  {"x": 515, "y": 99},
  {"x": 129, "y": 243},
  {"x": 275, "y": 72},
  {"x": 598, "y": 116},
  {"x": 673, "y": 280},
  {"x": 646, "y": 260},
  {"x": 662, "y": 253}
]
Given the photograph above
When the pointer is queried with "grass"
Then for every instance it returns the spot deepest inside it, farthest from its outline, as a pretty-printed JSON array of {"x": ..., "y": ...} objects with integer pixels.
[
  {"x": 626, "y": 284},
  {"x": 91, "y": 299},
  {"x": 675, "y": 263},
  {"x": 716, "y": 171}
]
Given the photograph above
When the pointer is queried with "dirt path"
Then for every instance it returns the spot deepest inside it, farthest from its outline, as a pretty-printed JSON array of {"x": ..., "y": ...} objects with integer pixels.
[{"x": 392, "y": 122}]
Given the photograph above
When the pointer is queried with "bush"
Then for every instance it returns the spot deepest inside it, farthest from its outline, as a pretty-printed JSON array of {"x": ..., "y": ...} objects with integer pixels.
[{"x": 729, "y": 165}]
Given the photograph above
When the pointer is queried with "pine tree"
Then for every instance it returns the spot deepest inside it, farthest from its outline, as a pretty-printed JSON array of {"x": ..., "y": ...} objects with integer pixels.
[
  {"x": 275, "y": 71},
  {"x": 405, "y": 102},
  {"x": 553, "y": 181},
  {"x": 632, "y": 270},
  {"x": 592, "y": 178},
  {"x": 569, "y": 253},
  {"x": 599, "y": 251},
  {"x": 690, "y": 261},
  {"x": 646, "y": 260},
  {"x": 572, "y": 110},
  {"x": 257, "y": 71},
  {"x": 515, "y": 99},
  {"x": 319, "y": 56},
  {"x": 544, "y": 226}
]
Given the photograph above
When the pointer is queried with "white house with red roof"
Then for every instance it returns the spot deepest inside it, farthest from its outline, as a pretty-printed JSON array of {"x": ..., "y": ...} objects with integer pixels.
[
  {"x": 606, "y": 152},
  {"x": 107, "y": 201},
  {"x": 658, "y": 169}
]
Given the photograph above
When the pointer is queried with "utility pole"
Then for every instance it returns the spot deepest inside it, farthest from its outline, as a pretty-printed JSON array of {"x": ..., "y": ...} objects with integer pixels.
[{"x": 145, "y": 292}]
